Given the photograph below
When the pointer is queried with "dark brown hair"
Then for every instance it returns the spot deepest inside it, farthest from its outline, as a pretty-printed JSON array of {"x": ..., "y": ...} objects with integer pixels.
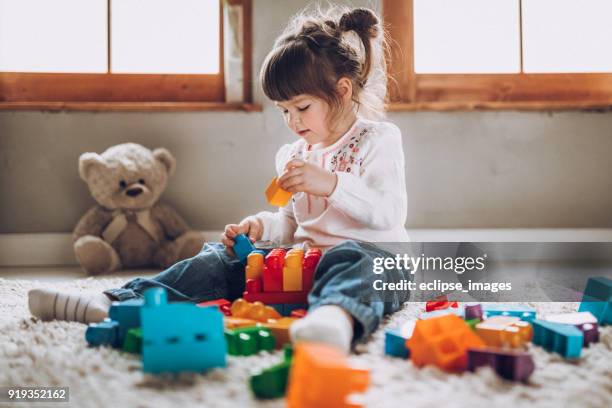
[{"x": 318, "y": 48}]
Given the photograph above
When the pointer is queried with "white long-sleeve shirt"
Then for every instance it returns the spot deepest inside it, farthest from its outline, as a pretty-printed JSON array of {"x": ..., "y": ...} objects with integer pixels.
[{"x": 369, "y": 202}]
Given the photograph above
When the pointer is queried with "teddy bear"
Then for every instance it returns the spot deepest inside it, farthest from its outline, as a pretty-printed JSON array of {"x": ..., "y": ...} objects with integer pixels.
[{"x": 128, "y": 228}]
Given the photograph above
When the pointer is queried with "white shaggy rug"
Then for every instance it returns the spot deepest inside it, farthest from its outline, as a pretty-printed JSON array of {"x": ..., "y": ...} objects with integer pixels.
[{"x": 56, "y": 354}]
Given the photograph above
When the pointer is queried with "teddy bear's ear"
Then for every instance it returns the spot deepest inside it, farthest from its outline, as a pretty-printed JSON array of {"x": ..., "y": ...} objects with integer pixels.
[
  {"x": 166, "y": 158},
  {"x": 87, "y": 162}
]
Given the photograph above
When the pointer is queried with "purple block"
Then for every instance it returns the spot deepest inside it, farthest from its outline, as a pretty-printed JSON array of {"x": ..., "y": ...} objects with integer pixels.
[
  {"x": 509, "y": 364},
  {"x": 473, "y": 311},
  {"x": 590, "y": 332}
]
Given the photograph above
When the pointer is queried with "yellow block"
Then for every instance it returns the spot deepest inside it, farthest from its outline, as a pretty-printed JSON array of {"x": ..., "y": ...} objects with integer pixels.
[
  {"x": 279, "y": 329},
  {"x": 255, "y": 265},
  {"x": 292, "y": 271},
  {"x": 276, "y": 195},
  {"x": 504, "y": 331}
]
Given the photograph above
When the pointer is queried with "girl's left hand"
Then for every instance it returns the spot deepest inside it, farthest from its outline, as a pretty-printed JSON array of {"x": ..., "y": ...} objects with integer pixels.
[{"x": 300, "y": 176}]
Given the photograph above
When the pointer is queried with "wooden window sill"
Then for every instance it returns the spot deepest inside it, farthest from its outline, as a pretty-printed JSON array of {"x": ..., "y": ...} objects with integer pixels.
[
  {"x": 132, "y": 106},
  {"x": 444, "y": 106}
]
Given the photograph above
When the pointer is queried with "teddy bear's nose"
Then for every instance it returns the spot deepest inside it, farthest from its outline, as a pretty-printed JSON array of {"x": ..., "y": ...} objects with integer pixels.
[{"x": 133, "y": 192}]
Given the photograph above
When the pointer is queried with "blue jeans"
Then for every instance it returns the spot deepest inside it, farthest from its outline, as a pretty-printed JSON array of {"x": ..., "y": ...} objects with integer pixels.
[{"x": 343, "y": 277}]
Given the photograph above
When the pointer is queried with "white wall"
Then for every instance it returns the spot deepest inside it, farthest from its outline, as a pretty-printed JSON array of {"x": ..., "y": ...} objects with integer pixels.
[{"x": 477, "y": 169}]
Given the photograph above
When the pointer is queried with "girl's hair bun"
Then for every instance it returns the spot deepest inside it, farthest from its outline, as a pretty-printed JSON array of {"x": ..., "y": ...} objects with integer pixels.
[{"x": 361, "y": 20}]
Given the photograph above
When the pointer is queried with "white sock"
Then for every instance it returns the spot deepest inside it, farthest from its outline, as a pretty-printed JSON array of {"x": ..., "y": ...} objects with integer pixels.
[
  {"x": 329, "y": 324},
  {"x": 49, "y": 304}
]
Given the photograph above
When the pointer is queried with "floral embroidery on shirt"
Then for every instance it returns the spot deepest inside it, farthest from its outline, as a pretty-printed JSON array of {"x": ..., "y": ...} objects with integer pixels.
[{"x": 347, "y": 158}]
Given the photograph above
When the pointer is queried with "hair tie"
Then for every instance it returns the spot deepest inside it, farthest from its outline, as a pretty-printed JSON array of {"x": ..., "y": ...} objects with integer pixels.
[{"x": 353, "y": 41}]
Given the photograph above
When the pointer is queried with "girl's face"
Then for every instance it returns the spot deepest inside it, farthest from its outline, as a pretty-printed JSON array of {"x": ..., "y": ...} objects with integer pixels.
[{"x": 306, "y": 116}]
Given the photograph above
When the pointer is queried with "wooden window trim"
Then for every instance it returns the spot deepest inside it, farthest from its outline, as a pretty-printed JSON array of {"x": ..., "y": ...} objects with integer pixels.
[
  {"x": 410, "y": 91},
  {"x": 99, "y": 92}
]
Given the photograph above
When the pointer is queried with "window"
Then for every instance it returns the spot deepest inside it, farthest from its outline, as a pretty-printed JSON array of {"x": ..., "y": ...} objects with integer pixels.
[
  {"x": 499, "y": 54},
  {"x": 125, "y": 54}
]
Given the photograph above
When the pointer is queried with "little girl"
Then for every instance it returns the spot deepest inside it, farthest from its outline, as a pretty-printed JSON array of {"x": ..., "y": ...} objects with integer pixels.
[{"x": 346, "y": 171}]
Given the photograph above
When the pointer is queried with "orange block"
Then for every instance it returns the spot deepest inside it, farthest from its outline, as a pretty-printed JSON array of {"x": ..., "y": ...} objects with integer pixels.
[
  {"x": 276, "y": 195},
  {"x": 254, "y": 311},
  {"x": 505, "y": 331},
  {"x": 231, "y": 322},
  {"x": 279, "y": 329},
  {"x": 321, "y": 377},
  {"x": 442, "y": 341},
  {"x": 255, "y": 265}
]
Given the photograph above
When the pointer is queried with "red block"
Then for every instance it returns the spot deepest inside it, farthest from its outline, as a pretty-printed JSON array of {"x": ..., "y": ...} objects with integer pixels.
[
  {"x": 274, "y": 298},
  {"x": 311, "y": 260},
  {"x": 441, "y": 302},
  {"x": 299, "y": 313},
  {"x": 253, "y": 285},
  {"x": 222, "y": 304},
  {"x": 273, "y": 271}
]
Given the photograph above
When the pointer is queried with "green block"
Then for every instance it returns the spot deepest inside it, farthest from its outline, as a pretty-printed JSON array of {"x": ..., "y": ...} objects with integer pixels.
[
  {"x": 472, "y": 323},
  {"x": 133, "y": 341},
  {"x": 272, "y": 382},
  {"x": 247, "y": 341}
]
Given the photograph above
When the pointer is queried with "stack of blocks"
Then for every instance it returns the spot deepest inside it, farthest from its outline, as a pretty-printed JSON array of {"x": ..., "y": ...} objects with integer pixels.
[{"x": 281, "y": 279}]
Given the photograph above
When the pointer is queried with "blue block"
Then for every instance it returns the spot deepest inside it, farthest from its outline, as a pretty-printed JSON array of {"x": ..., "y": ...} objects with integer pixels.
[
  {"x": 180, "y": 336},
  {"x": 597, "y": 299},
  {"x": 564, "y": 339},
  {"x": 395, "y": 344},
  {"x": 127, "y": 314},
  {"x": 525, "y": 313},
  {"x": 105, "y": 333},
  {"x": 243, "y": 247}
]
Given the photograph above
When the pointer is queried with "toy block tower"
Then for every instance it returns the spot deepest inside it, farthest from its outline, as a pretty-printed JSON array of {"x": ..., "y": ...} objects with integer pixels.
[
  {"x": 320, "y": 376},
  {"x": 180, "y": 336}
]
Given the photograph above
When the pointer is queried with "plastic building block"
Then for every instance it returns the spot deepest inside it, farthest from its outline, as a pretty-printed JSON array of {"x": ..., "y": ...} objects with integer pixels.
[
  {"x": 590, "y": 333},
  {"x": 523, "y": 312},
  {"x": 270, "y": 298},
  {"x": 180, "y": 336},
  {"x": 127, "y": 314},
  {"x": 242, "y": 247},
  {"x": 299, "y": 313},
  {"x": 560, "y": 338},
  {"x": 443, "y": 312},
  {"x": 232, "y": 322},
  {"x": 292, "y": 271},
  {"x": 255, "y": 265},
  {"x": 311, "y": 260},
  {"x": 473, "y": 311},
  {"x": 395, "y": 340},
  {"x": 254, "y": 311},
  {"x": 472, "y": 323},
  {"x": 133, "y": 341},
  {"x": 276, "y": 195},
  {"x": 272, "y": 382},
  {"x": 105, "y": 333},
  {"x": 222, "y": 304},
  {"x": 509, "y": 364},
  {"x": 273, "y": 271},
  {"x": 505, "y": 331},
  {"x": 440, "y": 303},
  {"x": 442, "y": 341},
  {"x": 321, "y": 377},
  {"x": 279, "y": 329},
  {"x": 247, "y": 341},
  {"x": 597, "y": 299}
]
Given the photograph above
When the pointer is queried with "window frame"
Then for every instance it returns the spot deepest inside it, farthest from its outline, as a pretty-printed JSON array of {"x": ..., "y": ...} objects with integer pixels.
[
  {"x": 409, "y": 91},
  {"x": 108, "y": 91}
]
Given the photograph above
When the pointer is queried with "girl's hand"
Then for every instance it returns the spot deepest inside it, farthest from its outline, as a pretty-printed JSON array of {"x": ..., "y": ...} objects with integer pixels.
[
  {"x": 250, "y": 226},
  {"x": 300, "y": 176}
]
